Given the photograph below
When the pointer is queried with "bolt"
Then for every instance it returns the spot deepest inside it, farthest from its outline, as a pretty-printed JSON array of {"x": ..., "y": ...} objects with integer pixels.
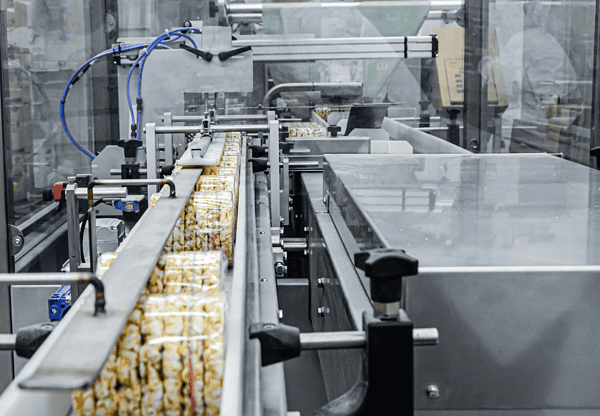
[
  {"x": 263, "y": 280},
  {"x": 322, "y": 311},
  {"x": 53, "y": 311},
  {"x": 268, "y": 326},
  {"x": 279, "y": 269},
  {"x": 306, "y": 252},
  {"x": 280, "y": 312},
  {"x": 433, "y": 392},
  {"x": 306, "y": 229},
  {"x": 17, "y": 241}
]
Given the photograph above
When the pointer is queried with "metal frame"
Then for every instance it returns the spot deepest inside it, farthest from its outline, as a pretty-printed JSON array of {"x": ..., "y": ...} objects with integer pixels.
[
  {"x": 476, "y": 45},
  {"x": 78, "y": 369}
]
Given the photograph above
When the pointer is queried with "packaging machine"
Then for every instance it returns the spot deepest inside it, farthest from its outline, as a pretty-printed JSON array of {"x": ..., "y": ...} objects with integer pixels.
[{"x": 423, "y": 278}]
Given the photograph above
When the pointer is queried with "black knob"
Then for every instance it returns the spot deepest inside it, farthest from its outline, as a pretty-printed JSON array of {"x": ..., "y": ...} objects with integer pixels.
[
  {"x": 424, "y": 104},
  {"x": 595, "y": 152},
  {"x": 285, "y": 147},
  {"x": 31, "y": 337},
  {"x": 258, "y": 151},
  {"x": 453, "y": 113},
  {"x": 187, "y": 23},
  {"x": 130, "y": 146},
  {"x": 386, "y": 267},
  {"x": 212, "y": 9},
  {"x": 334, "y": 130},
  {"x": 259, "y": 165}
]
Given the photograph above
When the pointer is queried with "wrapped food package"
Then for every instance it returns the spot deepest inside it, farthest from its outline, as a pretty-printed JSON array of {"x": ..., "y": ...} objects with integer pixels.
[
  {"x": 214, "y": 221},
  {"x": 194, "y": 272}
]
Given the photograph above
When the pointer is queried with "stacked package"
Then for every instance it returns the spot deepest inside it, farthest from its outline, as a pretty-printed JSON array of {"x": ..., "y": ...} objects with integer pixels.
[
  {"x": 169, "y": 360},
  {"x": 209, "y": 217},
  {"x": 305, "y": 129}
]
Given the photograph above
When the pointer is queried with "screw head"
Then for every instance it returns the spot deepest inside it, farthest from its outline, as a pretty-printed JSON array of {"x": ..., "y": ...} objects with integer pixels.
[
  {"x": 433, "y": 392},
  {"x": 17, "y": 241},
  {"x": 263, "y": 280},
  {"x": 53, "y": 311},
  {"x": 268, "y": 326}
]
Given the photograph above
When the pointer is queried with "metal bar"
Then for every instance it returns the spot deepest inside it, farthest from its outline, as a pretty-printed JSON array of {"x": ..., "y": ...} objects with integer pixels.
[
  {"x": 255, "y": 117},
  {"x": 244, "y": 8},
  {"x": 102, "y": 193},
  {"x": 333, "y": 340},
  {"x": 73, "y": 228},
  {"x": 117, "y": 172},
  {"x": 128, "y": 182},
  {"x": 151, "y": 158},
  {"x": 8, "y": 342},
  {"x": 272, "y": 386},
  {"x": 252, "y": 352},
  {"x": 475, "y": 95},
  {"x": 432, "y": 119},
  {"x": 285, "y": 192},
  {"x": 93, "y": 242},
  {"x": 169, "y": 159},
  {"x": 274, "y": 172},
  {"x": 73, "y": 361},
  {"x": 213, "y": 128},
  {"x": 232, "y": 397},
  {"x": 420, "y": 141},
  {"x": 595, "y": 122},
  {"x": 354, "y": 88},
  {"x": 246, "y": 18},
  {"x": 294, "y": 244},
  {"x": 306, "y": 163},
  {"x": 60, "y": 278},
  {"x": 38, "y": 216}
]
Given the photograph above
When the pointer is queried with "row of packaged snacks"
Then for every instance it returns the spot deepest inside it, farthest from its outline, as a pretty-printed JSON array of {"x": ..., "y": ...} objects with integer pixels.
[{"x": 169, "y": 360}]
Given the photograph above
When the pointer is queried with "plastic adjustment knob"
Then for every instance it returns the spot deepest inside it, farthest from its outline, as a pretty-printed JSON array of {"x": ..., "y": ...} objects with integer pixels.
[
  {"x": 334, "y": 130},
  {"x": 259, "y": 164},
  {"x": 31, "y": 337},
  {"x": 213, "y": 9},
  {"x": 386, "y": 268},
  {"x": 278, "y": 342},
  {"x": 258, "y": 151},
  {"x": 130, "y": 146}
]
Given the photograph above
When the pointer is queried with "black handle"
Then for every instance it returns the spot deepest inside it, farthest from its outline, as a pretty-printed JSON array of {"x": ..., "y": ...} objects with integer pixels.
[
  {"x": 258, "y": 151},
  {"x": 207, "y": 56},
  {"x": 259, "y": 164},
  {"x": 277, "y": 342},
  {"x": 386, "y": 267},
  {"x": 130, "y": 146},
  {"x": 213, "y": 9},
  {"x": 223, "y": 56},
  {"x": 31, "y": 337},
  {"x": 334, "y": 130}
]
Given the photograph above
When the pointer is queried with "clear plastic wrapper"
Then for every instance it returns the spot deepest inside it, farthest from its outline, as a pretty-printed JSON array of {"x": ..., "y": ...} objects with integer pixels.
[
  {"x": 305, "y": 129},
  {"x": 213, "y": 183},
  {"x": 194, "y": 272},
  {"x": 213, "y": 221}
]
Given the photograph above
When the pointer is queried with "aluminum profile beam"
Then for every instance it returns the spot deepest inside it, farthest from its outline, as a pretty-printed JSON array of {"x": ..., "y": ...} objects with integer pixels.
[{"x": 311, "y": 49}]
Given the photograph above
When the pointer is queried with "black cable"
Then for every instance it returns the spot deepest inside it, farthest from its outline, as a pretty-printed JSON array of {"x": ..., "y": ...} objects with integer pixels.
[{"x": 82, "y": 230}]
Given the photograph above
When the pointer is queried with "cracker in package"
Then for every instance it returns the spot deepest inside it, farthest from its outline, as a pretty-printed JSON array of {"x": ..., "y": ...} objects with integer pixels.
[
  {"x": 194, "y": 272},
  {"x": 214, "y": 219},
  {"x": 214, "y": 352},
  {"x": 153, "y": 200},
  {"x": 84, "y": 403}
]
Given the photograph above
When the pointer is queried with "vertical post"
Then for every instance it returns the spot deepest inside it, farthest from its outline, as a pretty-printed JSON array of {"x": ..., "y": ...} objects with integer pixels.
[
  {"x": 168, "y": 121},
  {"x": 274, "y": 171},
  {"x": 476, "y": 46},
  {"x": 6, "y": 261},
  {"x": 285, "y": 194},
  {"x": 151, "y": 156},
  {"x": 93, "y": 241},
  {"x": 595, "y": 131},
  {"x": 73, "y": 227}
]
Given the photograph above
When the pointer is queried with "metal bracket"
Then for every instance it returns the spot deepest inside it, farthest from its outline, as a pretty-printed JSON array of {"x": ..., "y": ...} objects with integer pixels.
[{"x": 16, "y": 238}]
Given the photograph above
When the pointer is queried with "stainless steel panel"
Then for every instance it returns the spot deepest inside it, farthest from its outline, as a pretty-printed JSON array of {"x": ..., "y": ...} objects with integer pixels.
[
  {"x": 510, "y": 338},
  {"x": 29, "y": 305},
  {"x": 469, "y": 210}
]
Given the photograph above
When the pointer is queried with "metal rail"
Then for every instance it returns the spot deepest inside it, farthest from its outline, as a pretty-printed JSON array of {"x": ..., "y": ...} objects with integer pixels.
[
  {"x": 73, "y": 361},
  {"x": 213, "y": 128},
  {"x": 60, "y": 278}
]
